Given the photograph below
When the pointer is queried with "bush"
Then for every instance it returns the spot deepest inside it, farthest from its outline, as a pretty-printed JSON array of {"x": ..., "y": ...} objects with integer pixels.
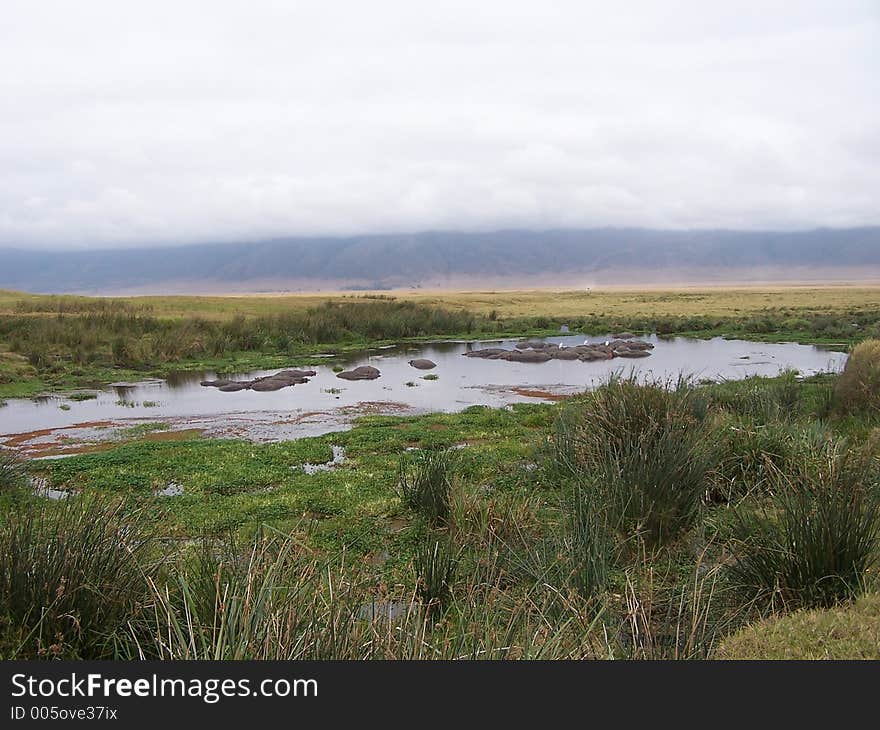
[
  {"x": 858, "y": 387},
  {"x": 814, "y": 545},
  {"x": 647, "y": 450},
  {"x": 70, "y": 578},
  {"x": 425, "y": 483}
]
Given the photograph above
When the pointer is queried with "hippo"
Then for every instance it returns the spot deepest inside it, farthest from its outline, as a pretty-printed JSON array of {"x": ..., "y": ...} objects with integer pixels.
[
  {"x": 489, "y": 352},
  {"x": 295, "y": 374},
  {"x": 276, "y": 382},
  {"x": 422, "y": 364},
  {"x": 531, "y": 345},
  {"x": 566, "y": 353},
  {"x": 363, "y": 372},
  {"x": 528, "y": 356}
]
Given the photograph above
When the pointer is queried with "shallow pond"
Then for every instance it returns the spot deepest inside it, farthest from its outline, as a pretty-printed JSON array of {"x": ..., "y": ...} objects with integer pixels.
[{"x": 327, "y": 403}]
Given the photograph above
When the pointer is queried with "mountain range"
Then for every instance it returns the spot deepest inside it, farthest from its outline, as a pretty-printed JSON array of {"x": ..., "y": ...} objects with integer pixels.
[{"x": 520, "y": 258}]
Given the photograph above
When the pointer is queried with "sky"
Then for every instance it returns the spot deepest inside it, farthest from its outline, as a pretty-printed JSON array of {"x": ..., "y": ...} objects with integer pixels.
[{"x": 133, "y": 123}]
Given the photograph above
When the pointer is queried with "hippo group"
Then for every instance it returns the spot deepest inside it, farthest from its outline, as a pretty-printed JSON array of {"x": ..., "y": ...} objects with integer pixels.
[
  {"x": 538, "y": 351},
  {"x": 279, "y": 380}
]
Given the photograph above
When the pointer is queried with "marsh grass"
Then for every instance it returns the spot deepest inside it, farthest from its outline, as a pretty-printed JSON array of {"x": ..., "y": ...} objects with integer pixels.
[
  {"x": 425, "y": 483},
  {"x": 436, "y": 562},
  {"x": 588, "y": 540},
  {"x": 72, "y": 574},
  {"x": 277, "y": 600},
  {"x": 646, "y": 451},
  {"x": 13, "y": 475},
  {"x": 812, "y": 546},
  {"x": 669, "y": 619},
  {"x": 858, "y": 387},
  {"x": 753, "y": 454}
]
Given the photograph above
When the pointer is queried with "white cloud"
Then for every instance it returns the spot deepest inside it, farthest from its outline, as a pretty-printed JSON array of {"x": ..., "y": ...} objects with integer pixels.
[{"x": 128, "y": 123}]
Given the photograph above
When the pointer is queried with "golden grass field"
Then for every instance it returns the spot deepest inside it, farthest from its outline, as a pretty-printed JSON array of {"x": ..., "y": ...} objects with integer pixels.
[{"x": 684, "y": 301}]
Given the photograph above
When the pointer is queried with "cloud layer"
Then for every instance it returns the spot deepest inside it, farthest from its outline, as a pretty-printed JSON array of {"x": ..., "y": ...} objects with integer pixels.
[{"x": 163, "y": 122}]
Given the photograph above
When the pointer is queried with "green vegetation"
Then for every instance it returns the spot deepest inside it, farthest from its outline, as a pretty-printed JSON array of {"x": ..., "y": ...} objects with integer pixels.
[
  {"x": 71, "y": 578},
  {"x": 12, "y": 472},
  {"x": 858, "y": 388},
  {"x": 820, "y": 534},
  {"x": 646, "y": 454},
  {"x": 850, "y": 631},
  {"x": 65, "y": 342},
  {"x": 426, "y": 484},
  {"x": 668, "y": 520}
]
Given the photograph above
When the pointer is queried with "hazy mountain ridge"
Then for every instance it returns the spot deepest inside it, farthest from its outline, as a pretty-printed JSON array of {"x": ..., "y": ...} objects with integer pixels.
[{"x": 435, "y": 258}]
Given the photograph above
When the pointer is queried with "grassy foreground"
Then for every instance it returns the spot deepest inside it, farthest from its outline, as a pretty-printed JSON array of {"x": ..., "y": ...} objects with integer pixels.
[
  {"x": 631, "y": 522},
  {"x": 62, "y": 342}
]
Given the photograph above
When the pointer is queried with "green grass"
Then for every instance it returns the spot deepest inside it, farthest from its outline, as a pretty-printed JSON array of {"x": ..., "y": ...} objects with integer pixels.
[{"x": 849, "y": 631}]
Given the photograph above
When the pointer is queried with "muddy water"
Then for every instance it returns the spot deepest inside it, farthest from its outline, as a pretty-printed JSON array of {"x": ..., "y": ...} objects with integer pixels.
[{"x": 327, "y": 403}]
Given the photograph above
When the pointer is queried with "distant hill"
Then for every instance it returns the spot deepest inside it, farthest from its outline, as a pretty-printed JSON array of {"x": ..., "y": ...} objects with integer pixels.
[{"x": 434, "y": 259}]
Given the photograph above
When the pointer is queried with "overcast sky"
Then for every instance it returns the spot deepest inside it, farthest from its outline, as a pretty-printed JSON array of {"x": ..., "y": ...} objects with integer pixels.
[{"x": 159, "y": 121}]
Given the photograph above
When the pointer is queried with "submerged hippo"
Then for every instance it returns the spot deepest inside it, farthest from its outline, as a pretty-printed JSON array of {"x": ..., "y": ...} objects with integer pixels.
[
  {"x": 422, "y": 364},
  {"x": 527, "y": 356},
  {"x": 566, "y": 353},
  {"x": 363, "y": 372},
  {"x": 279, "y": 380},
  {"x": 531, "y": 345},
  {"x": 276, "y": 382}
]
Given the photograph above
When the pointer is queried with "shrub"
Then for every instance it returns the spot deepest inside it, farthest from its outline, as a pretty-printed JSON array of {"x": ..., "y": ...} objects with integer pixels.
[
  {"x": 70, "y": 578},
  {"x": 858, "y": 387},
  {"x": 425, "y": 483},
  {"x": 648, "y": 452},
  {"x": 815, "y": 543}
]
